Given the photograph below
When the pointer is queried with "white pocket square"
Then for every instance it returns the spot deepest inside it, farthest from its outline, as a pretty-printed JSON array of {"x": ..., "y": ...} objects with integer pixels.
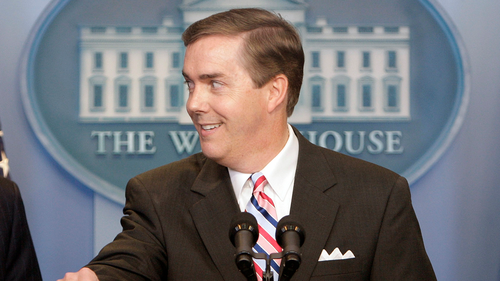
[{"x": 335, "y": 255}]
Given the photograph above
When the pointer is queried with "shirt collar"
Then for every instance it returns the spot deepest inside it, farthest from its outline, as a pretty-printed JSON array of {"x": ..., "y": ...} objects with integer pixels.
[{"x": 280, "y": 172}]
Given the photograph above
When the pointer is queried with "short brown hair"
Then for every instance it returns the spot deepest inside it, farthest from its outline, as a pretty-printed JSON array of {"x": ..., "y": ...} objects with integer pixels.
[{"x": 272, "y": 45}]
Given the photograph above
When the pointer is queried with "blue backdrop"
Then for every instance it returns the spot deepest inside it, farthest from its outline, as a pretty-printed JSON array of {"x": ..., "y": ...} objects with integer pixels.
[{"x": 457, "y": 201}]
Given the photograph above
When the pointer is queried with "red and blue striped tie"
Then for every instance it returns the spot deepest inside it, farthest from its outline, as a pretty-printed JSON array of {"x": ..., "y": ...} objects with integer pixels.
[{"x": 262, "y": 208}]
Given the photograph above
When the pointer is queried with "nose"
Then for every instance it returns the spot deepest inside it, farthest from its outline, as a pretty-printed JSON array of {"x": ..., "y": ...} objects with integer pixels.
[{"x": 197, "y": 102}]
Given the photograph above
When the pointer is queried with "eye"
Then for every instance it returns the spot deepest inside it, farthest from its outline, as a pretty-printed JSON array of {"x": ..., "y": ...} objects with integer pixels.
[
  {"x": 190, "y": 85},
  {"x": 216, "y": 84}
]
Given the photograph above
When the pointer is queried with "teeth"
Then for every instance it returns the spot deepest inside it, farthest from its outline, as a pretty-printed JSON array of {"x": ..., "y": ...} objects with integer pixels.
[{"x": 210, "y": 127}]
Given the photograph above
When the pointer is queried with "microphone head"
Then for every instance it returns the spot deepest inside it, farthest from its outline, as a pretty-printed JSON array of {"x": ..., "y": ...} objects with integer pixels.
[
  {"x": 244, "y": 221},
  {"x": 288, "y": 223}
]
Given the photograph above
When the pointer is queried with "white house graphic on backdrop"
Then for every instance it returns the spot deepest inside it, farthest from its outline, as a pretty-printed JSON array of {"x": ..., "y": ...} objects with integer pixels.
[{"x": 352, "y": 73}]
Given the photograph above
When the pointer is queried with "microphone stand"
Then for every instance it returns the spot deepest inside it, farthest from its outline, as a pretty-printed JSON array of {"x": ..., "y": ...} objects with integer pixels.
[{"x": 268, "y": 274}]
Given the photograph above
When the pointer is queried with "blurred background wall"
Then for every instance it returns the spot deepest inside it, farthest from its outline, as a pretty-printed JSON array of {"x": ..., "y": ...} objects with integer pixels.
[{"x": 457, "y": 201}]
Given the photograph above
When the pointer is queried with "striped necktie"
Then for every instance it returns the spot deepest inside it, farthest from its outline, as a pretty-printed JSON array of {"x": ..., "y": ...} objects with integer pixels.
[{"x": 262, "y": 208}]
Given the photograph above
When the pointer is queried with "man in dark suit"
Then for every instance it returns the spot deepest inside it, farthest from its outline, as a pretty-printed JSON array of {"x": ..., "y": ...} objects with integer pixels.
[
  {"x": 17, "y": 255},
  {"x": 244, "y": 69}
]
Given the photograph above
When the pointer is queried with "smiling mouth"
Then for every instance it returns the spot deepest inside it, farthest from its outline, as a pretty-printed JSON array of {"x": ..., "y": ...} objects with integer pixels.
[{"x": 210, "y": 127}]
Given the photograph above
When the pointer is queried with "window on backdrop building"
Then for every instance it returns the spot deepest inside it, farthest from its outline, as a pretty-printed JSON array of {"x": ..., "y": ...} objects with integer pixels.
[
  {"x": 341, "y": 93},
  {"x": 365, "y": 29},
  {"x": 392, "y": 93},
  {"x": 366, "y": 60},
  {"x": 97, "y": 87},
  {"x": 149, "y": 60},
  {"x": 391, "y": 61},
  {"x": 148, "y": 93},
  {"x": 176, "y": 60},
  {"x": 123, "y": 61},
  {"x": 123, "y": 29},
  {"x": 98, "y": 61},
  {"x": 315, "y": 60},
  {"x": 98, "y": 29},
  {"x": 316, "y": 85},
  {"x": 341, "y": 60},
  {"x": 122, "y": 93},
  {"x": 366, "y": 88},
  {"x": 149, "y": 30},
  {"x": 174, "y": 97}
]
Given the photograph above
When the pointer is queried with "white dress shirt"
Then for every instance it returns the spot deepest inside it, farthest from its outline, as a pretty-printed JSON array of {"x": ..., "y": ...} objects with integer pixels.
[{"x": 280, "y": 175}]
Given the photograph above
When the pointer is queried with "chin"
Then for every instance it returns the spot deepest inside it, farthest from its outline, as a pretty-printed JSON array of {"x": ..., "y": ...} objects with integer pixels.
[{"x": 210, "y": 152}]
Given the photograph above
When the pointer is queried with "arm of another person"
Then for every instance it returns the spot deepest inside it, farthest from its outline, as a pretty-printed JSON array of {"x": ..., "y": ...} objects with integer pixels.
[{"x": 400, "y": 253}]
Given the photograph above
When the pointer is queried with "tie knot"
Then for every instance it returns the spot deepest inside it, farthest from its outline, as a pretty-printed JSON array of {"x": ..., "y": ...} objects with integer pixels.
[{"x": 259, "y": 181}]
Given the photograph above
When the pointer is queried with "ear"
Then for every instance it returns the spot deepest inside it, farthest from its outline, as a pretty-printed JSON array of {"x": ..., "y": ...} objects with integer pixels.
[{"x": 278, "y": 93}]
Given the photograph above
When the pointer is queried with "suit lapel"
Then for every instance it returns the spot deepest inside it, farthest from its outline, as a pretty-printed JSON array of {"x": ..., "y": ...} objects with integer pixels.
[
  {"x": 311, "y": 207},
  {"x": 212, "y": 216}
]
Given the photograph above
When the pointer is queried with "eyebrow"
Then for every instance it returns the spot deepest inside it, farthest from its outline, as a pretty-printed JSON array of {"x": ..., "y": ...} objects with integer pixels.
[{"x": 205, "y": 76}]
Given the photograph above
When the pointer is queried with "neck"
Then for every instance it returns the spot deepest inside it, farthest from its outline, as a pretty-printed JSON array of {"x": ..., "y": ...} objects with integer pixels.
[{"x": 257, "y": 161}]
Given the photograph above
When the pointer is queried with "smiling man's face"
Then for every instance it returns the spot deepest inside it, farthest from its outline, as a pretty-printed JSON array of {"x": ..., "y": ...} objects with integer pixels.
[{"x": 228, "y": 111}]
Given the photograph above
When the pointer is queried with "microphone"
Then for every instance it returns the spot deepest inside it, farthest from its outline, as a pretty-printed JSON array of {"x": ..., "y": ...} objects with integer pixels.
[
  {"x": 244, "y": 233},
  {"x": 290, "y": 236}
]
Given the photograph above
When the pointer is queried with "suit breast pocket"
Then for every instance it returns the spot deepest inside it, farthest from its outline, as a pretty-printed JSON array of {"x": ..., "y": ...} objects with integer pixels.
[{"x": 349, "y": 269}]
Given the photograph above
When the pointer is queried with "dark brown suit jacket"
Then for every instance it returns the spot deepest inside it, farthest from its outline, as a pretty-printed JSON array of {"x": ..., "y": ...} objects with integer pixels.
[
  {"x": 177, "y": 221},
  {"x": 17, "y": 255}
]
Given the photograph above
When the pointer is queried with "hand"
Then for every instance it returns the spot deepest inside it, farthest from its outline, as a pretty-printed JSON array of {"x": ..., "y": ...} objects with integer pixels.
[{"x": 84, "y": 274}]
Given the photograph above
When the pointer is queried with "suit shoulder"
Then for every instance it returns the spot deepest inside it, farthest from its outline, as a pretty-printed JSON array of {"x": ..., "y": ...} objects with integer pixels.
[
  {"x": 11, "y": 205},
  {"x": 346, "y": 166},
  {"x": 9, "y": 189},
  {"x": 188, "y": 167},
  {"x": 341, "y": 165},
  {"x": 358, "y": 181}
]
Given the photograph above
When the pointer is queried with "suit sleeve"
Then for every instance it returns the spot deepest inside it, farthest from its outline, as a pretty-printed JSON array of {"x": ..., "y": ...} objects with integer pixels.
[
  {"x": 400, "y": 252},
  {"x": 137, "y": 253},
  {"x": 18, "y": 259}
]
